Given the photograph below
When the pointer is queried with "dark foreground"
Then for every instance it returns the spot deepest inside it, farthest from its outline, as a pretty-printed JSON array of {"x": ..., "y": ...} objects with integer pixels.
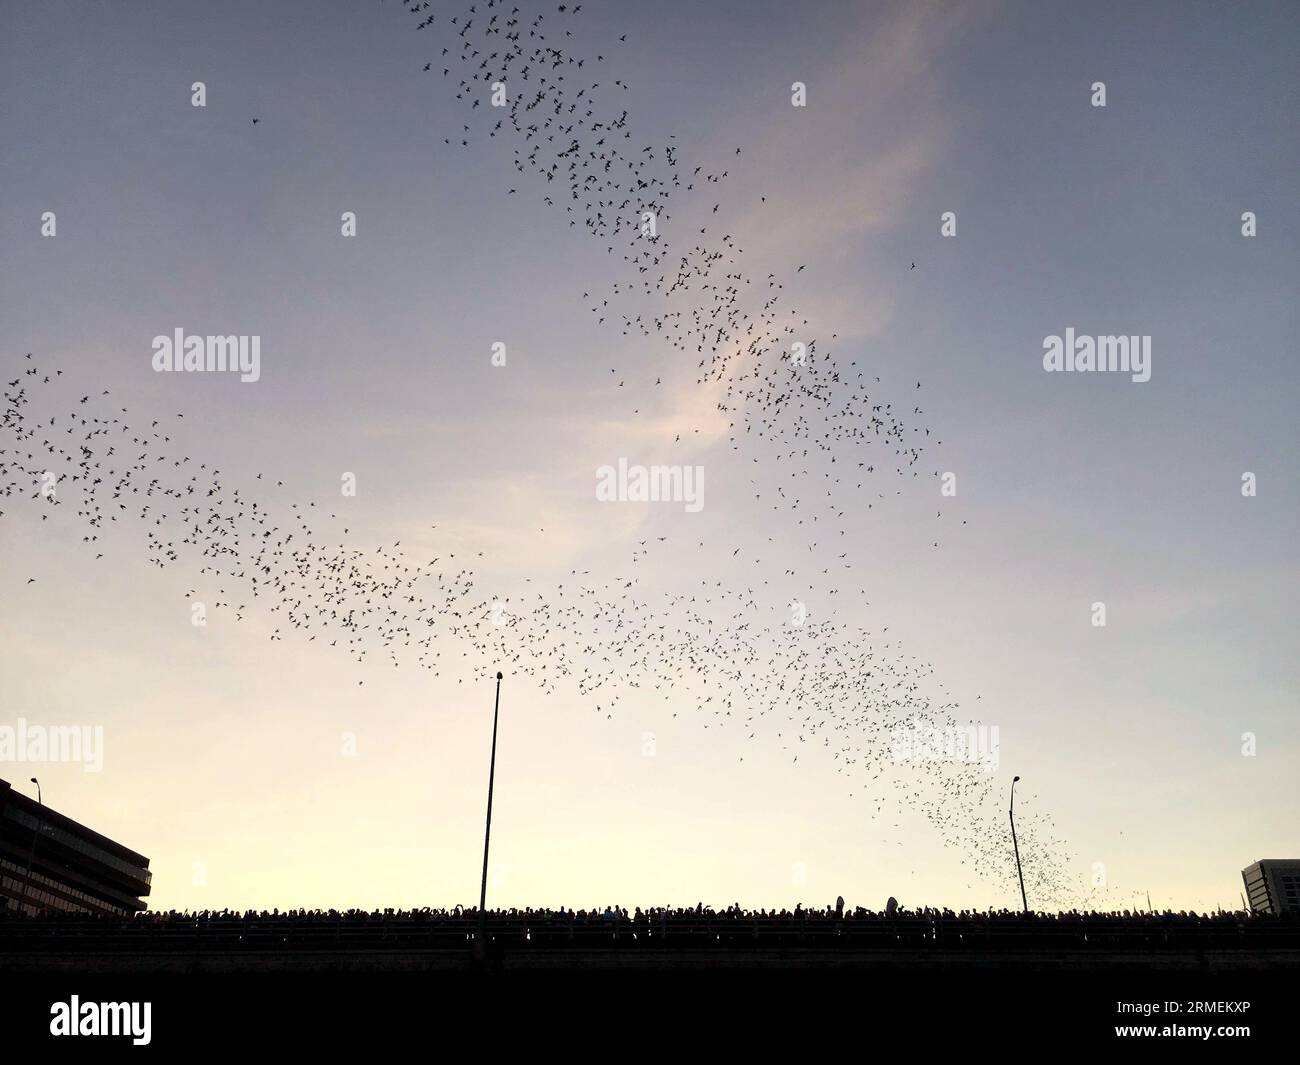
[
  {"x": 679, "y": 983},
  {"x": 683, "y": 1013}
]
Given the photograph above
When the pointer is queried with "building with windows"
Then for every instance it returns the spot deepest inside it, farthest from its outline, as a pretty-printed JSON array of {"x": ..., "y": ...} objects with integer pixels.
[
  {"x": 1273, "y": 885},
  {"x": 50, "y": 862}
]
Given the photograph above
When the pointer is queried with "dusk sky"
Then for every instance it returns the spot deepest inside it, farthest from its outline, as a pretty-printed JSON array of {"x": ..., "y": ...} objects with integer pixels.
[{"x": 1164, "y": 746}]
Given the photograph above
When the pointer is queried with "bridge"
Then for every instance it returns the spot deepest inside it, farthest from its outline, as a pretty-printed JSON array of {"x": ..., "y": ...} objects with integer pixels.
[{"x": 653, "y": 940}]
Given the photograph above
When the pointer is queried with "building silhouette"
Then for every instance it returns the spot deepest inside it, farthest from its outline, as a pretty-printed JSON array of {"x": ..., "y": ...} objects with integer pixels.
[
  {"x": 1273, "y": 885},
  {"x": 72, "y": 868}
]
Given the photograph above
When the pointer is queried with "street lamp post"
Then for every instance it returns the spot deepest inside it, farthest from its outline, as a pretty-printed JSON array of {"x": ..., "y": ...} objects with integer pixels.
[
  {"x": 480, "y": 946},
  {"x": 1023, "y": 901},
  {"x": 31, "y": 851}
]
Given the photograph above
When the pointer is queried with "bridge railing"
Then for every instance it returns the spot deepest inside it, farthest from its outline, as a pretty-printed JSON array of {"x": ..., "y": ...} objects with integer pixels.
[{"x": 686, "y": 932}]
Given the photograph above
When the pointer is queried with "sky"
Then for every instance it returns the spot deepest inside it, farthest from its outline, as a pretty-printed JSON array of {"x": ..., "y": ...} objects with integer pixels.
[{"x": 259, "y": 772}]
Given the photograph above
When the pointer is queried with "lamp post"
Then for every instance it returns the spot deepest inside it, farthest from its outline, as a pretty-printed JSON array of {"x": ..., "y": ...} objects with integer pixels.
[
  {"x": 31, "y": 851},
  {"x": 480, "y": 946},
  {"x": 1023, "y": 901}
]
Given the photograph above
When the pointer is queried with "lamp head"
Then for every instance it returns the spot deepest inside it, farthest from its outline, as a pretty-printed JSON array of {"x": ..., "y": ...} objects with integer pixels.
[
  {"x": 1014, "y": 779},
  {"x": 498, "y": 675},
  {"x": 35, "y": 781}
]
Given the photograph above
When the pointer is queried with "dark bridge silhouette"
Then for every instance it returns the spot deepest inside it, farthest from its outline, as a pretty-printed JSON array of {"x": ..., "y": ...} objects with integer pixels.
[{"x": 653, "y": 938}]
